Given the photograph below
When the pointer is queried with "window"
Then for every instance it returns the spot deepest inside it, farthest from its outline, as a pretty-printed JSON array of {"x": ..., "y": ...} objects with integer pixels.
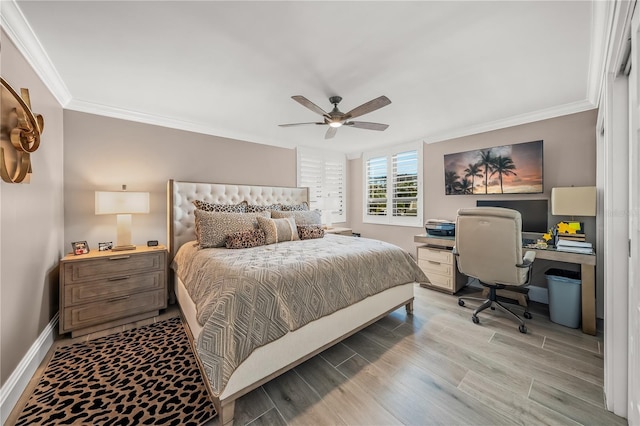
[
  {"x": 393, "y": 186},
  {"x": 324, "y": 173}
]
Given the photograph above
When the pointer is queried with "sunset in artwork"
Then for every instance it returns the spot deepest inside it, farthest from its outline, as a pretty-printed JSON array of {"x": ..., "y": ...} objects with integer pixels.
[{"x": 507, "y": 169}]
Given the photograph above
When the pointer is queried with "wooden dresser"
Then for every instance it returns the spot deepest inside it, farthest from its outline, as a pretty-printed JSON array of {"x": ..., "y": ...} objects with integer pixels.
[
  {"x": 439, "y": 265},
  {"x": 103, "y": 289}
]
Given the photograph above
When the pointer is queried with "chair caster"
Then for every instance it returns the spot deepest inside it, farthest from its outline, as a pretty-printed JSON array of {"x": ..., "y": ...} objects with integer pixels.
[
  {"x": 460, "y": 302},
  {"x": 527, "y": 315},
  {"x": 522, "y": 329},
  {"x": 475, "y": 319}
]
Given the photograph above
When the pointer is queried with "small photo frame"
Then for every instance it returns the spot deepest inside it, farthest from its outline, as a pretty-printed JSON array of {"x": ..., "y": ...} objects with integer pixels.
[
  {"x": 80, "y": 247},
  {"x": 105, "y": 246}
]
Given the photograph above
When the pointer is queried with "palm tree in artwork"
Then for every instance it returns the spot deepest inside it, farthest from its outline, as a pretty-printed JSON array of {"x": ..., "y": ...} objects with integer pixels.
[
  {"x": 473, "y": 171},
  {"x": 450, "y": 181},
  {"x": 486, "y": 160},
  {"x": 503, "y": 166},
  {"x": 465, "y": 186}
]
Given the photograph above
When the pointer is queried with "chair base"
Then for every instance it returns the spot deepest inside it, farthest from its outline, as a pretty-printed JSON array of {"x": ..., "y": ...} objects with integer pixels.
[{"x": 493, "y": 303}]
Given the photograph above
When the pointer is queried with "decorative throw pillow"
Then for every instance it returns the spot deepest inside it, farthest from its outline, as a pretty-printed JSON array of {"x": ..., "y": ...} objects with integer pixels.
[
  {"x": 278, "y": 230},
  {"x": 252, "y": 208},
  {"x": 245, "y": 239},
  {"x": 227, "y": 208},
  {"x": 213, "y": 227},
  {"x": 311, "y": 217},
  {"x": 295, "y": 207},
  {"x": 309, "y": 232}
]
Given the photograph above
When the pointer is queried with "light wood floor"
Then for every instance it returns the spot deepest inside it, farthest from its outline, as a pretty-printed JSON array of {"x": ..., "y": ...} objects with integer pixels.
[{"x": 436, "y": 367}]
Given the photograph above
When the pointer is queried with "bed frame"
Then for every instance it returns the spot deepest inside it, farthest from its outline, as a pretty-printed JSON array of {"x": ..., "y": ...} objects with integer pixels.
[{"x": 269, "y": 361}]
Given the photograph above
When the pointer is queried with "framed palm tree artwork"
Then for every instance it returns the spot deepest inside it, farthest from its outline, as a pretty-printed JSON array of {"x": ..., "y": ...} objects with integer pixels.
[{"x": 507, "y": 169}]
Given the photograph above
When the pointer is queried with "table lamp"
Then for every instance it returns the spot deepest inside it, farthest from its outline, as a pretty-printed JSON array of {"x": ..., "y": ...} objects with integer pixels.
[
  {"x": 123, "y": 204},
  {"x": 573, "y": 201}
]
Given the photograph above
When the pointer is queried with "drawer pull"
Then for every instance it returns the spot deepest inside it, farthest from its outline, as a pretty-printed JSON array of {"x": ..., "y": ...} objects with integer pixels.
[
  {"x": 126, "y": 277},
  {"x": 119, "y": 257},
  {"x": 115, "y": 299},
  {"x": 434, "y": 262}
]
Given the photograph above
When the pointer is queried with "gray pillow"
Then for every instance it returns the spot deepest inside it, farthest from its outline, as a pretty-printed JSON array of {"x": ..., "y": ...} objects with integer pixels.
[
  {"x": 310, "y": 217},
  {"x": 278, "y": 230}
]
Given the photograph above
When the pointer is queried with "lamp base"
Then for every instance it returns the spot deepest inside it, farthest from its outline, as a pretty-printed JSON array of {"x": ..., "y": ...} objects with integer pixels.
[{"x": 124, "y": 248}]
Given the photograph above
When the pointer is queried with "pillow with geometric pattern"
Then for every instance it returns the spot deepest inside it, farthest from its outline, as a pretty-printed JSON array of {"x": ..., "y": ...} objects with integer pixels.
[{"x": 213, "y": 227}]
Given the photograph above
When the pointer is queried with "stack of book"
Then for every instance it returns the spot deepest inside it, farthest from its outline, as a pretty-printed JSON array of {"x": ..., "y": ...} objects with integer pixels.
[
  {"x": 571, "y": 237},
  {"x": 574, "y": 246}
]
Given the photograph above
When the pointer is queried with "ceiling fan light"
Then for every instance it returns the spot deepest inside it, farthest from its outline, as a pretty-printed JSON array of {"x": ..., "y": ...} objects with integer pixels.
[{"x": 335, "y": 124}]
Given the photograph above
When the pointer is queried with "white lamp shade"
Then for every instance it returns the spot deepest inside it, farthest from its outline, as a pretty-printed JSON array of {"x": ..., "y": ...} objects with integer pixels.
[
  {"x": 573, "y": 201},
  {"x": 121, "y": 202}
]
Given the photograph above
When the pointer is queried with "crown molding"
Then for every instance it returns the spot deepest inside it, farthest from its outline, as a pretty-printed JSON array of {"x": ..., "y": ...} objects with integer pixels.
[
  {"x": 545, "y": 114},
  {"x": 172, "y": 123},
  {"x": 18, "y": 29}
]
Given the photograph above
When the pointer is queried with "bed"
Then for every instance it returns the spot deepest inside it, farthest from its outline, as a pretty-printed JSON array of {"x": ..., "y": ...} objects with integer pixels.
[{"x": 299, "y": 326}]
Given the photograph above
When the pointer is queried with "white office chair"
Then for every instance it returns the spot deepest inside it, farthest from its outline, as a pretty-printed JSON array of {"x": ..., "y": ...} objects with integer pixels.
[{"x": 489, "y": 248}]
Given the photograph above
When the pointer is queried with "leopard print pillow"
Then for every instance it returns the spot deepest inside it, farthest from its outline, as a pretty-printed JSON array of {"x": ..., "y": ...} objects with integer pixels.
[
  {"x": 245, "y": 239},
  {"x": 295, "y": 207},
  {"x": 309, "y": 232},
  {"x": 252, "y": 208},
  {"x": 226, "y": 208}
]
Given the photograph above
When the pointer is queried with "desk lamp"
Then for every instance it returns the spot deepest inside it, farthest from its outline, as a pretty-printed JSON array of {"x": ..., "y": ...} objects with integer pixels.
[
  {"x": 573, "y": 201},
  {"x": 123, "y": 204}
]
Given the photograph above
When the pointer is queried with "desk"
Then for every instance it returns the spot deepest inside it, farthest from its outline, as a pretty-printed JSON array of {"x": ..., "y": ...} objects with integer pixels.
[{"x": 587, "y": 264}]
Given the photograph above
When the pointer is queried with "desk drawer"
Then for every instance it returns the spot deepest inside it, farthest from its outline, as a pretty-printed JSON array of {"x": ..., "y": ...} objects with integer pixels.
[
  {"x": 435, "y": 255},
  {"x": 441, "y": 281},
  {"x": 430, "y": 266}
]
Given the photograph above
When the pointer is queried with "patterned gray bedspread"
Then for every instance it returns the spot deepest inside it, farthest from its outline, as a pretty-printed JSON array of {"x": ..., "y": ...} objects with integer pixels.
[{"x": 249, "y": 297}]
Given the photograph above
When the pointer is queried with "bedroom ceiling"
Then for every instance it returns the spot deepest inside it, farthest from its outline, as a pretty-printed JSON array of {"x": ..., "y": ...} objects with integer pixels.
[{"x": 230, "y": 68}]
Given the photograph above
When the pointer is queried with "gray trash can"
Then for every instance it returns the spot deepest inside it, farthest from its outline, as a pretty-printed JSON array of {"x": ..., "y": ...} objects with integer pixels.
[{"x": 565, "y": 305}]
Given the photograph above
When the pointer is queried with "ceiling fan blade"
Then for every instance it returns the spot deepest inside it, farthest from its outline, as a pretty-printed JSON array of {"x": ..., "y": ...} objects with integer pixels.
[
  {"x": 331, "y": 132},
  {"x": 367, "y": 125},
  {"x": 300, "y": 124},
  {"x": 370, "y": 106},
  {"x": 307, "y": 103}
]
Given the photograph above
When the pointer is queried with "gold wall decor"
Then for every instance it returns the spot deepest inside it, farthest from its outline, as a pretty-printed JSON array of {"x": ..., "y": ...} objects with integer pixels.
[{"x": 19, "y": 134}]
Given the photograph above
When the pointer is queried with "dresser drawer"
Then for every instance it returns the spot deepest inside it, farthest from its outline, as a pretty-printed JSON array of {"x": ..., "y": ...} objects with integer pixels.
[
  {"x": 435, "y": 255},
  {"x": 112, "y": 266},
  {"x": 118, "y": 307},
  {"x": 115, "y": 286},
  {"x": 435, "y": 267}
]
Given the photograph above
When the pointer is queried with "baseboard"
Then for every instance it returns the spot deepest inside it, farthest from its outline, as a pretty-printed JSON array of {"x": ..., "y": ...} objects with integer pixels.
[{"x": 13, "y": 388}]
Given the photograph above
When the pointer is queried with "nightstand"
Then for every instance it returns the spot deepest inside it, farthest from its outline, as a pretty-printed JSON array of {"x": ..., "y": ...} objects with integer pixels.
[
  {"x": 338, "y": 231},
  {"x": 103, "y": 289}
]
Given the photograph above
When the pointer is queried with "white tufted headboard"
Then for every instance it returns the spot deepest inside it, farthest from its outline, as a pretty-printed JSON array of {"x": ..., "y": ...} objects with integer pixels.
[{"x": 180, "y": 197}]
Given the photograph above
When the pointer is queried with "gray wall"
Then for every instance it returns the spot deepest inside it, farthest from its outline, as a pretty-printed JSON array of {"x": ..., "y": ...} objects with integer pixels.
[
  {"x": 103, "y": 153},
  {"x": 31, "y": 225},
  {"x": 569, "y": 159}
]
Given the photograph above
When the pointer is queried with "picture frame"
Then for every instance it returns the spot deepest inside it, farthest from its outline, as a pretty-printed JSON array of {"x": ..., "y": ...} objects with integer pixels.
[
  {"x": 506, "y": 169},
  {"x": 80, "y": 247},
  {"x": 107, "y": 245}
]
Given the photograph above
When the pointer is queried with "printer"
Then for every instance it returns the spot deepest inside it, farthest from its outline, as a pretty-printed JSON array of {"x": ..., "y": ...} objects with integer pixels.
[{"x": 440, "y": 228}]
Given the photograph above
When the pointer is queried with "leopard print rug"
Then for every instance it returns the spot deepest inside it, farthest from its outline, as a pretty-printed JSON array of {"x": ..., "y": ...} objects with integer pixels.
[{"x": 143, "y": 376}]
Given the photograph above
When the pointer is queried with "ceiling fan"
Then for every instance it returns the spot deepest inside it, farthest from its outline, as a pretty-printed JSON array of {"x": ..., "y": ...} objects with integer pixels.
[{"x": 336, "y": 118}]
